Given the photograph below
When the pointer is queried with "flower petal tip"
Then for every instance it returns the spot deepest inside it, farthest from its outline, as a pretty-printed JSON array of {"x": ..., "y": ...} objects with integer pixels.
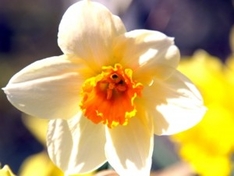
[
  {"x": 4, "y": 89},
  {"x": 172, "y": 39},
  {"x": 196, "y": 118}
]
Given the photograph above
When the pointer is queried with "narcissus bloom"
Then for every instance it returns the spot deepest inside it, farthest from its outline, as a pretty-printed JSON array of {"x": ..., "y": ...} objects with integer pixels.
[{"x": 108, "y": 94}]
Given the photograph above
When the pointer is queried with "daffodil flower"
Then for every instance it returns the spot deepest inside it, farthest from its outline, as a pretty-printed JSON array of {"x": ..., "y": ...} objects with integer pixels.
[{"x": 108, "y": 94}]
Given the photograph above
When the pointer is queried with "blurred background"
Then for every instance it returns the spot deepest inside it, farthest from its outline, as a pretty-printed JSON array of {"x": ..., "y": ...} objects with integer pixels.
[{"x": 202, "y": 31}]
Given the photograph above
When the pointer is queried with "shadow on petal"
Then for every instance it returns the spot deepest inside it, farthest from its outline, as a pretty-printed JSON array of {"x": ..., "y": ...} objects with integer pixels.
[
  {"x": 59, "y": 142},
  {"x": 129, "y": 148},
  {"x": 175, "y": 104}
]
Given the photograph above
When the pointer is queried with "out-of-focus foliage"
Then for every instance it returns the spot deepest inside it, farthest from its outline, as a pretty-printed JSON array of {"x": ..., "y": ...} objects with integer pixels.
[{"x": 208, "y": 147}]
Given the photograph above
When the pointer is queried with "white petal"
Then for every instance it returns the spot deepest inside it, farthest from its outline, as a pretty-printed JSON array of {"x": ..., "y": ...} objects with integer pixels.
[
  {"x": 87, "y": 30},
  {"x": 175, "y": 104},
  {"x": 129, "y": 148},
  {"x": 76, "y": 145},
  {"x": 59, "y": 142},
  {"x": 48, "y": 88},
  {"x": 148, "y": 53}
]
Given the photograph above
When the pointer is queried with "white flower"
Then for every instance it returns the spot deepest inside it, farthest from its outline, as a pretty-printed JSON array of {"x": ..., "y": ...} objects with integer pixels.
[{"x": 108, "y": 94}]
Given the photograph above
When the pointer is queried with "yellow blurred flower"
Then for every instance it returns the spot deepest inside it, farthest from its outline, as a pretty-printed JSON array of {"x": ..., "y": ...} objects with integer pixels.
[
  {"x": 206, "y": 72},
  {"x": 6, "y": 171},
  {"x": 41, "y": 165},
  {"x": 208, "y": 146},
  {"x": 229, "y": 74},
  {"x": 41, "y": 127}
]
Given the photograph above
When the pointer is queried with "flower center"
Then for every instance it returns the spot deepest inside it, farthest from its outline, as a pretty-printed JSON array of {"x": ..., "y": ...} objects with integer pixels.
[{"x": 109, "y": 97}]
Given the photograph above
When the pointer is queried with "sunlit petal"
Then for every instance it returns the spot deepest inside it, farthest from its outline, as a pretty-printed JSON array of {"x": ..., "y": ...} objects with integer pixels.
[
  {"x": 129, "y": 148},
  {"x": 175, "y": 104},
  {"x": 76, "y": 145},
  {"x": 87, "y": 30},
  {"x": 59, "y": 142},
  {"x": 148, "y": 52},
  {"x": 48, "y": 88}
]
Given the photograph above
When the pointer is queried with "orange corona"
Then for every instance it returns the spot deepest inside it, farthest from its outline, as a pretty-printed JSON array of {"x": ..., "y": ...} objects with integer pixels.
[{"x": 109, "y": 97}]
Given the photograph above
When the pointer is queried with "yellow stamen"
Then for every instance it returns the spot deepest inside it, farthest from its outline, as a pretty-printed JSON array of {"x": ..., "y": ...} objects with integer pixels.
[{"x": 109, "y": 97}]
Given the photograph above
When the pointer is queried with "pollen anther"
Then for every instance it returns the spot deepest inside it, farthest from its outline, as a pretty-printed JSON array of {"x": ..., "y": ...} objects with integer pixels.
[{"x": 109, "y": 97}]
